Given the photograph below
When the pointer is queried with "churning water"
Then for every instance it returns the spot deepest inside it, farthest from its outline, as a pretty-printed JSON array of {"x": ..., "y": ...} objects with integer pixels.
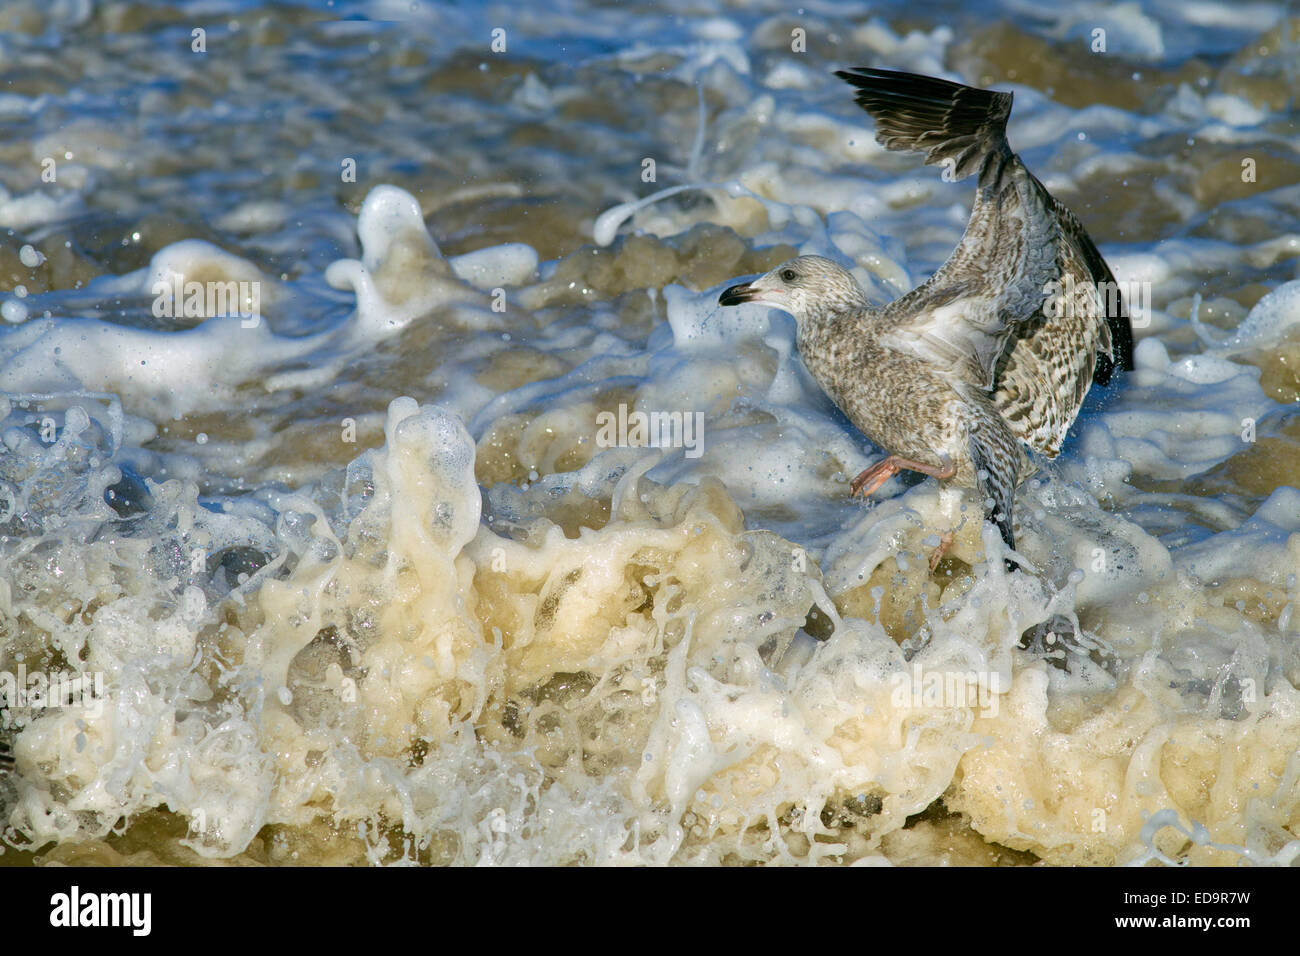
[{"x": 380, "y": 482}]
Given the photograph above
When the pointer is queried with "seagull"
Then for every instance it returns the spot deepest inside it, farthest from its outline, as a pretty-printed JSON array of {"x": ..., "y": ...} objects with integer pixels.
[{"x": 993, "y": 355}]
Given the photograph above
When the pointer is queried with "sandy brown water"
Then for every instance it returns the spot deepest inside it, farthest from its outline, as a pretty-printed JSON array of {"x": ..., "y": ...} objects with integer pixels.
[{"x": 586, "y": 673}]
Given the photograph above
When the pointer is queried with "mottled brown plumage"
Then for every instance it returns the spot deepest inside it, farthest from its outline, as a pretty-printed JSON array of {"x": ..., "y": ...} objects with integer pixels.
[{"x": 996, "y": 351}]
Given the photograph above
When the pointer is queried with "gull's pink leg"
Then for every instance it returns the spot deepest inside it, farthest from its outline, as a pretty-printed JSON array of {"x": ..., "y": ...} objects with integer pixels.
[
  {"x": 882, "y": 471},
  {"x": 877, "y": 474},
  {"x": 937, "y": 554}
]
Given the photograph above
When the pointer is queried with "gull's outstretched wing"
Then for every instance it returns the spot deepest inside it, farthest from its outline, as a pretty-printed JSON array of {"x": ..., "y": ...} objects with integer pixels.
[{"x": 1025, "y": 308}]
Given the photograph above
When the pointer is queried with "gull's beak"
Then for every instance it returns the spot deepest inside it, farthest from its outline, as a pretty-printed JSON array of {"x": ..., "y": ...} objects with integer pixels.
[{"x": 738, "y": 294}]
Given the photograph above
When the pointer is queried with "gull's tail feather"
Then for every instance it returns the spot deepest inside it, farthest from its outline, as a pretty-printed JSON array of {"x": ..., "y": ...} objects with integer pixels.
[{"x": 953, "y": 124}]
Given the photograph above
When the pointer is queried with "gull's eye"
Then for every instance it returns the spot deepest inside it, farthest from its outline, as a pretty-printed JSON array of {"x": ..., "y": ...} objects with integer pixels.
[{"x": 788, "y": 275}]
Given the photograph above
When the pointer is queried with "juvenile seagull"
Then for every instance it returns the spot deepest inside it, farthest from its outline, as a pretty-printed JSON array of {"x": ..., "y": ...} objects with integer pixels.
[{"x": 996, "y": 351}]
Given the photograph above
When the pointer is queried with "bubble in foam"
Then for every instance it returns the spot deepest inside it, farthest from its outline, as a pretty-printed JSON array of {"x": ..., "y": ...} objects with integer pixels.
[{"x": 13, "y": 311}]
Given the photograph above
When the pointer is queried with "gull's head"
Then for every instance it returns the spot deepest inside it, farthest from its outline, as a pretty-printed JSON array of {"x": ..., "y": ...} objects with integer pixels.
[{"x": 810, "y": 288}]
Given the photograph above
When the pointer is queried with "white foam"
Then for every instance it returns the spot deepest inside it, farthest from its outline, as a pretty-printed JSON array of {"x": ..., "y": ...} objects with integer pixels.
[
  {"x": 512, "y": 263},
  {"x": 1266, "y": 323},
  {"x": 389, "y": 573}
]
